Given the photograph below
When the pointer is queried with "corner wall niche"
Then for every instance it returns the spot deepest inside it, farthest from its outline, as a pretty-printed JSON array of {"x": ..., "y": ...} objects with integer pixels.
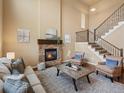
[{"x": 50, "y": 45}]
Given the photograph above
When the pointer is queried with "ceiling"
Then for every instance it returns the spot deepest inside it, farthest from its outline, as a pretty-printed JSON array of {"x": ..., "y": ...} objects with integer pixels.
[{"x": 90, "y": 2}]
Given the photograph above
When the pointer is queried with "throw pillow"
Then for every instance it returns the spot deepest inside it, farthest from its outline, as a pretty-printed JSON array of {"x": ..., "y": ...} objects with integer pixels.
[
  {"x": 15, "y": 86},
  {"x": 111, "y": 63},
  {"x": 18, "y": 66},
  {"x": 6, "y": 62},
  {"x": 4, "y": 71},
  {"x": 1, "y": 86},
  {"x": 79, "y": 56}
]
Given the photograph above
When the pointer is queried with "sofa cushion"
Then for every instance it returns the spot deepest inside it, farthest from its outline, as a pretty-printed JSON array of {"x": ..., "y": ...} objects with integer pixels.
[
  {"x": 6, "y": 62},
  {"x": 29, "y": 70},
  {"x": 111, "y": 63},
  {"x": 33, "y": 80},
  {"x": 104, "y": 68},
  {"x": 4, "y": 71},
  {"x": 38, "y": 89},
  {"x": 15, "y": 86},
  {"x": 1, "y": 86}
]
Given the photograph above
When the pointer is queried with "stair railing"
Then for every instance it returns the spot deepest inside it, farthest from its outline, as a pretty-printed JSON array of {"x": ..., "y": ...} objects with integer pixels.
[
  {"x": 103, "y": 28},
  {"x": 110, "y": 22},
  {"x": 111, "y": 48},
  {"x": 88, "y": 36},
  {"x": 116, "y": 17}
]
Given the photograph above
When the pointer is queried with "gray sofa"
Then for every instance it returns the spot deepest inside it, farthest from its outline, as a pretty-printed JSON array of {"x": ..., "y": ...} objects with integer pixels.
[
  {"x": 30, "y": 76},
  {"x": 33, "y": 80}
]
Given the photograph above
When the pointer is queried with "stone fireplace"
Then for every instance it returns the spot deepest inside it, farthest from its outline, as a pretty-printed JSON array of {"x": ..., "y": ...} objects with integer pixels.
[{"x": 50, "y": 51}]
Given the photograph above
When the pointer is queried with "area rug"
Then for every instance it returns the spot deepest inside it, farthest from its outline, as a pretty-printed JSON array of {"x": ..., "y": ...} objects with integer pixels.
[{"x": 63, "y": 83}]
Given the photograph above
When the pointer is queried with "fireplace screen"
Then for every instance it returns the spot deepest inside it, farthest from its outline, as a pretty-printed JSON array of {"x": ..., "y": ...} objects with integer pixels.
[{"x": 50, "y": 54}]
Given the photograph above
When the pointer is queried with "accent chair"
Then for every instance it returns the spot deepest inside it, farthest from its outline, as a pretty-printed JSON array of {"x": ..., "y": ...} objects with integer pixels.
[
  {"x": 112, "y": 68},
  {"x": 77, "y": 57}
]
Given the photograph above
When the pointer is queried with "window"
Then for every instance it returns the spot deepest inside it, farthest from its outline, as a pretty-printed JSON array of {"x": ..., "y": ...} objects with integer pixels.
[{"x": 82, "y": 21}]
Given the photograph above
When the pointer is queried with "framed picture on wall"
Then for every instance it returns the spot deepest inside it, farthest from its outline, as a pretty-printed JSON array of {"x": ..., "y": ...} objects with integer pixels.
[
  {"x": 67, "y": 38},
  {"x": 23, "y": 35}
]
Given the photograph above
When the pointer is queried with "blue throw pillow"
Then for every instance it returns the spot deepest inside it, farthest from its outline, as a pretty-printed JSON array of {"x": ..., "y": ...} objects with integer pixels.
[
  {"x": 111, "y": 63},
  {"x": 79, "y": 56}
]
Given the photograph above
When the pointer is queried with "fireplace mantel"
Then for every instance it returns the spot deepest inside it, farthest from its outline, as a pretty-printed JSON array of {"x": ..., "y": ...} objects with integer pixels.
[{"x": 48, "y": 42}]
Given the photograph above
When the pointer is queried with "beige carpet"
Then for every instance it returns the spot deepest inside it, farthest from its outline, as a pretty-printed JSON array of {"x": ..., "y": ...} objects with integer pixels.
[{"x": 64, "y": 84}]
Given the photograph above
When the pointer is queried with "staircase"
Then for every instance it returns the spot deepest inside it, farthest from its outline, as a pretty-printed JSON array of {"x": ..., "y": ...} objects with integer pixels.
[
  {"x": 98, "y": 50},
  {"x": 112, "y": 22},
  {"x": 96, "y": 40}
]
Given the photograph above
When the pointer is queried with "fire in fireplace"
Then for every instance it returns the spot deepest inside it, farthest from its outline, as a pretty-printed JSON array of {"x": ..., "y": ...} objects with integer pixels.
[{"x": 50, "y": 54}]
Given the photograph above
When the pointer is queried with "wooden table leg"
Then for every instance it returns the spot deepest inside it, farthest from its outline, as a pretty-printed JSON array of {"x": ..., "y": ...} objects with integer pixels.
[
  {"x": 58, "y": 72},
  {"x": 75, "y": 86},
  {"x": 88, "y": 79}
]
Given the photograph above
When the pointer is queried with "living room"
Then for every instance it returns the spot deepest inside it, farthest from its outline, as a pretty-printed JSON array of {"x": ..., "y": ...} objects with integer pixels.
[{"x": 32, "y": 29}]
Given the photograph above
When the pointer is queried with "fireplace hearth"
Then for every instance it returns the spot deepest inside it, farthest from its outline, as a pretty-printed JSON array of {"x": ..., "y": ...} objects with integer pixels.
[{"x": 50, "y": 54}]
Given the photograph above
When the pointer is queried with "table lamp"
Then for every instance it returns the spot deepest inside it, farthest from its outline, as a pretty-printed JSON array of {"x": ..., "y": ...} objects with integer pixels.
[{"x": 10, "y": 55}]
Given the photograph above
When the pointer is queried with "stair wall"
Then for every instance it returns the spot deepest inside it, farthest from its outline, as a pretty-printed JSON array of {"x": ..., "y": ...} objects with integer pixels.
[
  {"x": 117, "y": 37},
  {"x": 89, "y": 54}
]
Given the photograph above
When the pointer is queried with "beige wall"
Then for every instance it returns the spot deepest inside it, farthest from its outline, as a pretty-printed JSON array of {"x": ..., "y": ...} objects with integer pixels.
[
  {"x": 1, "y": 27},
  {"x": 36, "y": 15},
  {"x": 71, "y": 15},
  {"x": 49, "y": 16},
  {"x": 104, "y": 8},
  {"x": 117, "y": 37},
  {"x": 40, "y": 15},
  {"x": 17, "y": 14}
]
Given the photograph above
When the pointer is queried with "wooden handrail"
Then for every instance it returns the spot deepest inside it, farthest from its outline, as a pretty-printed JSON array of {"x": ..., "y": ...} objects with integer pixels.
[
  {"x": 109, "y": 16},
  {"x": 82, "y": 31}
]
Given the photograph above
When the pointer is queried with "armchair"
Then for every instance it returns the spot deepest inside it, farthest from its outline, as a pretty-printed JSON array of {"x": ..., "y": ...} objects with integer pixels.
[
  {"x": 110, "y": 70},
  {"x": 77, "y": 58}
]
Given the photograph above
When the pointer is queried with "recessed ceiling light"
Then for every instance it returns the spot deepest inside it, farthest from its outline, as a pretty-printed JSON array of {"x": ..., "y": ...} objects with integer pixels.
[{"x": 93, "y": 9}]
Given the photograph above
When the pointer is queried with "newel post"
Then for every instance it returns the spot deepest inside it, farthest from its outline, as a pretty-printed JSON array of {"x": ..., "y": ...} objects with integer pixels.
[
  {"x": 121, "y": 53},
  {"x": 94, "y": 35},
  {"x": 87, "y": 35}
]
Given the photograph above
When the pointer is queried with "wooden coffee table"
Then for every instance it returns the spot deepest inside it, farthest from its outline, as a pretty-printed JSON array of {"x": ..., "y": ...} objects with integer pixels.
[{"x": 74, "y": 74}]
